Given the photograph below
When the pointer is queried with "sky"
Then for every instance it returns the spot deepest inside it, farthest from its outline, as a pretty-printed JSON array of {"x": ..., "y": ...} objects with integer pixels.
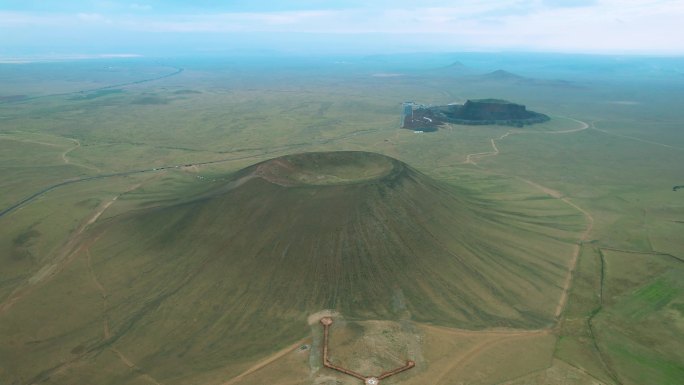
[{"x": 187, "y": 27}]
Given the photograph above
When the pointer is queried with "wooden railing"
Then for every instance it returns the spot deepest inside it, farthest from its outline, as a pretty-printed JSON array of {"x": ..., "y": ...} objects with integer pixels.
[{"x": 326, "y": 322}]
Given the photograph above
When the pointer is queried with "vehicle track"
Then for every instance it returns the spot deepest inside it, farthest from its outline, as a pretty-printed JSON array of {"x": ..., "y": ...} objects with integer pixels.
[
  {"x": 482, "y": 346},
  {"x": 104, "y": 295},
  {"x": 72, "y": 248},
  {"x": 471, "y": 159},
  {"x": 76, "y": 147},
  {"x": 266, "y": 361}
]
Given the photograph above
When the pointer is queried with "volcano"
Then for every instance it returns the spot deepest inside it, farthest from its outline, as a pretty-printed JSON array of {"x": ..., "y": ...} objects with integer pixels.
[
  {"x": 232, "y": 273},
  {"x": 358, "y": 232}
]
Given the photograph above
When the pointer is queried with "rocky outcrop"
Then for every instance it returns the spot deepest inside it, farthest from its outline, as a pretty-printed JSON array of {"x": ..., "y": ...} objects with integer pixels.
[{"x": 474, "y": 112}]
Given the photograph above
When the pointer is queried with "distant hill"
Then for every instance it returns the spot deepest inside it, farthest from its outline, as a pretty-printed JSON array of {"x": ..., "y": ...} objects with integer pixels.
[
  {"x": 501, "y": 75},
  {"x": 457, "y": 67},
  {"x": 454, "y": 69},
  {"x": 509, "y": 78}
]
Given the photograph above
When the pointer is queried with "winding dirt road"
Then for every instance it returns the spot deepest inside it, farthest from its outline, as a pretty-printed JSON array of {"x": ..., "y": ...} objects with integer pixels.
[
  {"x": 471, "y": 159},
  {"x": 75, "y": 147}
]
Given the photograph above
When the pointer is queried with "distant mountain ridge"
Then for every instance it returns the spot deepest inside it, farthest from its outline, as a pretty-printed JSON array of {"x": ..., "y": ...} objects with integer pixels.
[
  {"x": 464, "y": 72},
  {"x": 506, "y": 77},
  {"x": 502, "y": 75}
]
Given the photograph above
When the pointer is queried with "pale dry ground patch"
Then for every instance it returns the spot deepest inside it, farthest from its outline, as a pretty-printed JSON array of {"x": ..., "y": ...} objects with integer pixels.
[
  {"x": 443, "y": 356},
  {"x": 560, "y": 373}
]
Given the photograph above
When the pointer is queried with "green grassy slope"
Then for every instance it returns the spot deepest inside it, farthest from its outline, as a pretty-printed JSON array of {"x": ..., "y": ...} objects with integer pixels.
[
  {"x": 353, "y": 247},
  {"x": 641, "y": 324},
  {"x": 233, "y": 273}
]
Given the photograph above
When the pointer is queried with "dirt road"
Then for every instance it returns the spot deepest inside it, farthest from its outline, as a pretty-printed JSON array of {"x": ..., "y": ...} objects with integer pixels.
[
  {"x": 76, "y": 146},
  {"x": 73, "y": 247},
  {"x": 266, "y": 361},
  {"x": 489, "y": 339},
  {"x": 471, "y": 159}
]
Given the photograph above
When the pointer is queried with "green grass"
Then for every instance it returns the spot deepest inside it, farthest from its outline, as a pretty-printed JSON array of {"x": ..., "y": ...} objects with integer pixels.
[
  {"x": 576, "y": 343},
  {"x": 233, "y": 275},
  {"x": 651, "y": 298},
  {"x": 638, "y": 328},
  {"x": 622, "y": 175}
]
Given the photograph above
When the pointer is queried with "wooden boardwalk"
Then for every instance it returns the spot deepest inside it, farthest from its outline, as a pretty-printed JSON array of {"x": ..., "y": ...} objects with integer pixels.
[{"x": 368, "y": 380}]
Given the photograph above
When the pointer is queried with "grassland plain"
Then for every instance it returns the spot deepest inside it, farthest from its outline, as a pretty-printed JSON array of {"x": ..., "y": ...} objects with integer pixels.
[{"x": 620, "y": 170}]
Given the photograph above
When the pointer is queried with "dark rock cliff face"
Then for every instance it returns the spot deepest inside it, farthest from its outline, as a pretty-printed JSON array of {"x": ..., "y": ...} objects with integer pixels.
[
  {"x": 484, "y": 110},
  {"x": 474, "y": 112}
]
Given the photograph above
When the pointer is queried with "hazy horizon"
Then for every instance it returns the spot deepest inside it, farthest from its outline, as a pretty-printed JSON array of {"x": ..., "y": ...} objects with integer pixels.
[{"x": 163, "y": 28}]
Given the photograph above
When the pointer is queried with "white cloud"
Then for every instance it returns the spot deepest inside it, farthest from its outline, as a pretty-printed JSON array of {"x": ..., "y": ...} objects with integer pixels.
[
  {"x": 90, "y": 17},
  {"x": 234, "y": 22},
  {"x": 140, "y": 7},
  {"x": 558, "y": 25}
]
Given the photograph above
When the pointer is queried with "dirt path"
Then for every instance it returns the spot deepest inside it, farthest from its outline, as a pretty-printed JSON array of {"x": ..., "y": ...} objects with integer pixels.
[
  {"x": 493, "y": 336},
  {"x": 64, "y": 154},
  {"x": 583, "y": 126},
  {"x": 554, "y": 362},
  {"x": 482, "y": 346},
  {"x": 65, "y": 159},
  {"x": 639, "y": 139},
  {"x": 67, "y": 254},
  {"x": 103, "y": 293},
  {"x": 485, "y": 332},
  {"x": 105, "y": 323},
  {"x": 64, "y": 256},
  {"x": 77, "y": 146},
  {"x": 471, "y": 159},
  {"x": 265, "y": 362},
  {"x": 8, "y": 137},
  {"x": 577, "y": 249},
  {"x": 131, "y": 365}
]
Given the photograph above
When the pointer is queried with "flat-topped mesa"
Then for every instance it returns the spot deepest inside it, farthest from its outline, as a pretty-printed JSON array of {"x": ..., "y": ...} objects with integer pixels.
[
  {"x": 474, "y": 112},
  {"x": 489, "y": 109}
]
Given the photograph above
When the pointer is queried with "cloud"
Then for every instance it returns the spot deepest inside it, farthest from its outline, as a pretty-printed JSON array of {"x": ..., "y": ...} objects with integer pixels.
[
  {"x": 569, "y": 3},
  {"x": 553, "y": 25},
  {"x": 90, "y": 17},
  {"x": 140, "y": 7},
  {"x": 304, "y": 21}
]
